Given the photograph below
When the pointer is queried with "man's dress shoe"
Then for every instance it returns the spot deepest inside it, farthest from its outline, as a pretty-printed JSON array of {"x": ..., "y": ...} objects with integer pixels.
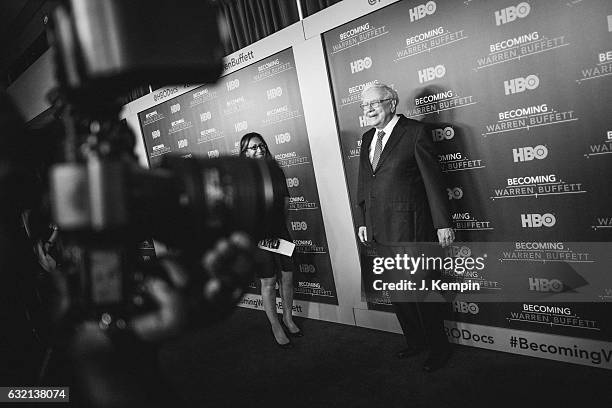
[
  {"x": 410, "y": 351},
  {"x": 437, "y": 359}
]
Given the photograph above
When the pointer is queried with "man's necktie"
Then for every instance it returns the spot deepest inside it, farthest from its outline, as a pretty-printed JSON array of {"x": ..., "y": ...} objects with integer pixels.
[{"x": 377, "y": 149}]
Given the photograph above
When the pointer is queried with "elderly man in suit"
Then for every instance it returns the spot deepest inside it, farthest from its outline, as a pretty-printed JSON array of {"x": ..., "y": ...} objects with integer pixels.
[{"x": 401, "y": 198}]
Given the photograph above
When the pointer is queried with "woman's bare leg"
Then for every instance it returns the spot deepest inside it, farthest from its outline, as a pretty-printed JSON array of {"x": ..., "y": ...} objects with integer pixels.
[{"x": 268, "y": 297}]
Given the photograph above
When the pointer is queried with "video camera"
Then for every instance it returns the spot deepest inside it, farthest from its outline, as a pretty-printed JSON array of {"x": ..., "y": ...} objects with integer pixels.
[{"x": 102, "y": 201}]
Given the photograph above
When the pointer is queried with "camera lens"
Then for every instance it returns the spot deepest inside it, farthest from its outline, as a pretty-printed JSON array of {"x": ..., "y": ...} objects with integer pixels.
[{"x": 192, "y": 202}]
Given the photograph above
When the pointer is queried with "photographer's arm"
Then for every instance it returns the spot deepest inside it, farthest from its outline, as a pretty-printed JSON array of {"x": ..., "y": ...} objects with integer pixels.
[
  {"x": 229, "y": 264},
  {"x": 119, "y": 368}
]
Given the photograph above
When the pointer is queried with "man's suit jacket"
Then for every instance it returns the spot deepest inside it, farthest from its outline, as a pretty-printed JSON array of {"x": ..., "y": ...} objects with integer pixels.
[{"x": 404, "y": 199}]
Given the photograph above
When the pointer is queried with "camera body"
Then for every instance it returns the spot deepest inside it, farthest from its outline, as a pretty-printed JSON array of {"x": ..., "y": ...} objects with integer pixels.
[
  {"x": 103, "y": 203},
  {"x": 106, "y": 208},
  {"x": 105, "y": 48}
]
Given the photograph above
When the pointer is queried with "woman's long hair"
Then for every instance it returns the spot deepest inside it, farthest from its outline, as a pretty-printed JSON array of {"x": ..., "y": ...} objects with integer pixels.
[{"x": 244, "y": 143}]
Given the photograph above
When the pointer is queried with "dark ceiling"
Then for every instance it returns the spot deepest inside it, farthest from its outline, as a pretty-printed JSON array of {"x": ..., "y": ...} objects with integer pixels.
[{"x": 22, "y": 36}]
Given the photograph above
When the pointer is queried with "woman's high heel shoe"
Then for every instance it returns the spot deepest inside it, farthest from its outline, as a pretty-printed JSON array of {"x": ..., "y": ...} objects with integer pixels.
[
  {"x": 298, "y": 333},
  {"x": 285, "y": 346}
]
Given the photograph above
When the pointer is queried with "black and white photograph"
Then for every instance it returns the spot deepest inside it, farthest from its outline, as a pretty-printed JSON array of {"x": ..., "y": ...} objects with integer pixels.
[{"x": 306, "y": 203}]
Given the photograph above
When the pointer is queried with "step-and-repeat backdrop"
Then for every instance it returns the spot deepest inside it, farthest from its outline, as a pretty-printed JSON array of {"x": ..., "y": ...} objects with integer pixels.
[
  {"x": 210, "y": 120},
  {"x": 518, "y": 94}
]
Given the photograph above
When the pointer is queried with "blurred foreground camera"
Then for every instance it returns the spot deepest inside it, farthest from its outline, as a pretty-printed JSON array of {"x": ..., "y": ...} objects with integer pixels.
[
  {"x": 105, "y": 48},
  {"x": 109, "y": 308},
  {"x": 105, "y": 209},
  {"x": 104, "y": 204}
]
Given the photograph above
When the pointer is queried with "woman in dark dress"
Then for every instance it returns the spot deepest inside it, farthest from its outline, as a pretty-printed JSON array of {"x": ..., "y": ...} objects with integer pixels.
[{"x": 252, "y": 145}]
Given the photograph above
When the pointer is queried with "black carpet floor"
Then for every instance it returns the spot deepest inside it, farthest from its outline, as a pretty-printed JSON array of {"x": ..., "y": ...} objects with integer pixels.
[{"x": 237, "y": 364}]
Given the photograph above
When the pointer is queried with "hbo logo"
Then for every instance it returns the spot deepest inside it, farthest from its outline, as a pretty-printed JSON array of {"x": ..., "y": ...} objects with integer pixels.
[
  {"x": 361, "y": 64},
  {"x": 545, "y": 285},
  {"x": 439, "y": 135},
  {"x": 422, "y": 10},
  {"x": 465, "y": 307},
  {"x": 213, "y": 154},
  {"x": 299, "y": 225},
  {"x": 431, "y": 73},
  {"x": 233, "y": 84},
  {"x": 156, "y": 134},
  {"x": 538, "y": 220},
  {"x": 293, "y": 182},
  {"x": 509, "y": 14},
  {"x": 274, "y": 92},
  {"x": 307, "y": 268},
  {"x": 205, "y": 116},
  {"x": 528, "y": 153},
  {"x": 455, "y": 193},
  {"x": 282, "y": 138},
  {"x": 520, "y": 84},
  {"x": 240, "y": 126},
  {"x": 460, "y": 252},
  {"x": 175, "y": 108}
]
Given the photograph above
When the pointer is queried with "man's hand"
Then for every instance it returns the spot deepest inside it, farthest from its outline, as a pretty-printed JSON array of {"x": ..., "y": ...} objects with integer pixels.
[
  {"x": 44, "y": 259},
  {"x": 229, "y": 265},
  {"x": 446, "y": 236},
  {"x": 363, "y": 234},
  {"x": 170, "y": 316}
]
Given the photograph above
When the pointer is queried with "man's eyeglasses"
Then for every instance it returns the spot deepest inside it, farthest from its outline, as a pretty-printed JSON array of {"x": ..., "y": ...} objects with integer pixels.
[
  {"x": 259, "y": 146},
  {"x": 373, "y": 104}
]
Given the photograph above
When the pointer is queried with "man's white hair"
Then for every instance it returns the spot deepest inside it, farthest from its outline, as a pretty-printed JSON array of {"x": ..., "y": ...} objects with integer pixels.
[{"x": 388, "y": 92}]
